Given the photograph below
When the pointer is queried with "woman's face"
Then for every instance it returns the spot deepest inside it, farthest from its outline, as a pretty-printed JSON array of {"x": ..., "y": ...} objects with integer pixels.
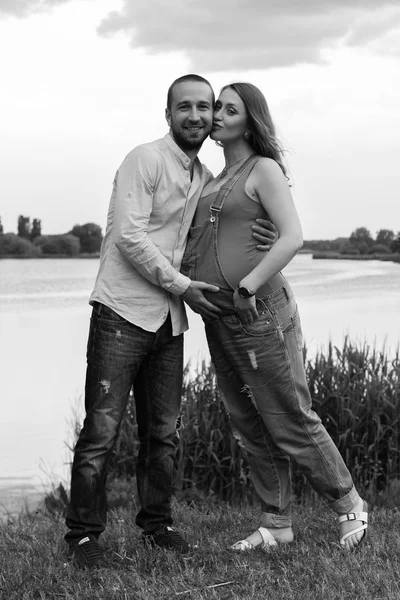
[{"x": 230, "y": 118}]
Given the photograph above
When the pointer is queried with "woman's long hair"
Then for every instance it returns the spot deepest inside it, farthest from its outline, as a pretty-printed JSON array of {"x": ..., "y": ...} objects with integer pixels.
[{"x": 262, "y": 136}]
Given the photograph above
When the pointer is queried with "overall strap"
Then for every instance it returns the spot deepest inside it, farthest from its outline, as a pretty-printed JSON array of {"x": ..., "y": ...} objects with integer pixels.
[{"x": 224, "y": 190}]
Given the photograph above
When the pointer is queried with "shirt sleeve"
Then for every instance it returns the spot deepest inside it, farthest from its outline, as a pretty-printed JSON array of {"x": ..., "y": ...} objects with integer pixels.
[{"x": 135, "y": 184}]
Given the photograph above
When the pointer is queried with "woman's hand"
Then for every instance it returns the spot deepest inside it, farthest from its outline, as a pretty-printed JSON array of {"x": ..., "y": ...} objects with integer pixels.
[{"x": 246, "y": 308}]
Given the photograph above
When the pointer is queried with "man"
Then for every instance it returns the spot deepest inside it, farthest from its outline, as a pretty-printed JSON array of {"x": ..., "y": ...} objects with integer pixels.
[{"x": 137, "y": 323}]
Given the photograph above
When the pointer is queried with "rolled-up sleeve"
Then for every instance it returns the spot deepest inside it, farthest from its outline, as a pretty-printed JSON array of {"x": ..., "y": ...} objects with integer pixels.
[{"x": 135, "y": 183}]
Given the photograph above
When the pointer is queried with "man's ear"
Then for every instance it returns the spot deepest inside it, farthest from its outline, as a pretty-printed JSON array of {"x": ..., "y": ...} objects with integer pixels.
[{"x": 168, "y": 116}]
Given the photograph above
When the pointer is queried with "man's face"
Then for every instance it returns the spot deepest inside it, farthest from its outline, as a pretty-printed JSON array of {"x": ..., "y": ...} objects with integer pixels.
[{"x": 191, "y": 115}]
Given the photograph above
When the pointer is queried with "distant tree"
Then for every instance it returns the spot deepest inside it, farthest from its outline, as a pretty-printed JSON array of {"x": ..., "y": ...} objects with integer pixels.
[
  {"x": 338, "y": 243},
  {"x": 41, "y": 240},
  {"x": 379, "y": 249},
  {"x": 70, "y": 244},
  {"x": 361, "y": 239},
  {"x": 325, "y": 245},
  {"x": 1, "y": 227},
  {"x": 322, "y": 245},
  {"x": 395, "y": 245},
  {"x": 385, "y": 237},
  {"x": 89, "y": 235},
  {"x": 348, "y": 249},
  {"x": 17, "y": 245},
  {"x": 36, "y": 230},
  {"x": 58, "y": 244},
  {"x": 24, "y": 226}
]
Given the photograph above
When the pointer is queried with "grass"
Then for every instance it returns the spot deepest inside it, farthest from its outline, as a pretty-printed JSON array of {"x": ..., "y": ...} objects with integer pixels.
[
  {"x": 33, "y": 562},
  {"x": 355, "y": 390}
]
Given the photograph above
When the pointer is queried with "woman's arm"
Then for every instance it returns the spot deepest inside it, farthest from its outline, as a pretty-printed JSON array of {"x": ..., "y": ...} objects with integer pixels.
[{"x": 268, "y": 184}]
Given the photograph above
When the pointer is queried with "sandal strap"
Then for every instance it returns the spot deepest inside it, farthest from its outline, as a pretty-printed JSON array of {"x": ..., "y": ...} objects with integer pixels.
[
  {"x": 355, "y": 516},
  {"x": 268, "y": 538},
  {"x": 352, "y": 532},
  {"x": 242, "y": 545}
]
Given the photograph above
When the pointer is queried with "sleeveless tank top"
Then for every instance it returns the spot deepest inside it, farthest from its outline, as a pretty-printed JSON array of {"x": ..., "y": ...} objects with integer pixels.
[{"x": 228, "y": 255}]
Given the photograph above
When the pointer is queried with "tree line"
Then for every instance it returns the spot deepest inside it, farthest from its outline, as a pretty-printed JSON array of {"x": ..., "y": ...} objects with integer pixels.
[
  {"x": 29, "y": 241},
  {"x": 87, "y": 238},
  {"x": 360, "y": 242}
]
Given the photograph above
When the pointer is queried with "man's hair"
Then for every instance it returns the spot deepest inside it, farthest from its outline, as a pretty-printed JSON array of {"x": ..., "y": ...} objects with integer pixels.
[
  {"x": 189, "y": 77},
  {"x": 262, "y": 134}
]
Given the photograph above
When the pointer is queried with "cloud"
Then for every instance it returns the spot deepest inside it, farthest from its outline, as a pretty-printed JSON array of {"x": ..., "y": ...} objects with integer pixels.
[
  {"x": 250, "y": 34},
  {"x": 23, "y": 8},
  {"x": 373, "y": 25},
  {"x": 223, "y": 35},
  {"x": 379, "y": 31}
]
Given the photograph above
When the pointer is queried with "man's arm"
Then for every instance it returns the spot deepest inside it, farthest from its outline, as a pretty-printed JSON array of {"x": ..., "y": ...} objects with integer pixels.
[
  {"x": 133, "y": 206},
  {"x": 265, "y": 232}
]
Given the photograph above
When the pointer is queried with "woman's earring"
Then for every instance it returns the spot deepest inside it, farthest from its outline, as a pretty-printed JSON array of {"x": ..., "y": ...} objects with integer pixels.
[{"x": 246, "y": 135}]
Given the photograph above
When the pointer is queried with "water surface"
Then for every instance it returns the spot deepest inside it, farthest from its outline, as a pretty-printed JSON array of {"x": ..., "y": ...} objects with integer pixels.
[{"x": 44, "y": 318}]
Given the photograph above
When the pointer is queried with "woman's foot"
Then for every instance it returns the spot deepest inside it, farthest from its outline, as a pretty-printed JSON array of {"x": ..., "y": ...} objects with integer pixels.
[
  {"x": 355, "y": 521},
  {"x": 265, "y": 537}
]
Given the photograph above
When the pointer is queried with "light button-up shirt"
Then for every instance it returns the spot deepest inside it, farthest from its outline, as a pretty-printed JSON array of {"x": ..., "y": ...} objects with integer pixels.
[{"x": 151, "y": 210}]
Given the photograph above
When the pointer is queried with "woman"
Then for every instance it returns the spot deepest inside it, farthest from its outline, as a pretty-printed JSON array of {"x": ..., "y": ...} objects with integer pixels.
[{"x": 256, "y": 345}]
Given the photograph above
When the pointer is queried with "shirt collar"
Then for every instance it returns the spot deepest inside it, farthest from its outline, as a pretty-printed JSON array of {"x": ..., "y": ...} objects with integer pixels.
[{"x": 185, "y": 160}]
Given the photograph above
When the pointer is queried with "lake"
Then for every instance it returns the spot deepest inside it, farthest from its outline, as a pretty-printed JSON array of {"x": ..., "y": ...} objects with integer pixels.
[{"x": 44, "y": 318}]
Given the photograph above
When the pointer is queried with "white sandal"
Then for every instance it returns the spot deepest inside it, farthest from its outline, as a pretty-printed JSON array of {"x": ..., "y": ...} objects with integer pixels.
[
  {"x": 267, "y": 541},
  {"x": 355, "y": 516}
]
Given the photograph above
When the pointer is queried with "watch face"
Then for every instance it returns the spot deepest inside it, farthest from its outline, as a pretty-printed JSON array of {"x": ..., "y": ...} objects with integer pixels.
[{"x": 244, "y": 292}]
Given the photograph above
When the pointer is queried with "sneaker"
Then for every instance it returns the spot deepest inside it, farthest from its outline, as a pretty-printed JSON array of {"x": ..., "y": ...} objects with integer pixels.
[
  {"x": 168, "y": 538},
  {"x": 87, "y": 553}
]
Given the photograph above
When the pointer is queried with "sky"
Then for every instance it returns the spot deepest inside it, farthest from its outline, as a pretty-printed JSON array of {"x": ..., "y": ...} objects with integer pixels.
[{"x": 85, "y": 81}]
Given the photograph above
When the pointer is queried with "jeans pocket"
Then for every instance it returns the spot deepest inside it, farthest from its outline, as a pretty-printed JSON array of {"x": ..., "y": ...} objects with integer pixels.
[
  {"x": 295, "y": 329},
  {"x": 108, "y": 314},
  {"x": 91, "y": 336},
  {"x": 279, "y": 299},
  {"x": 261, "y": 327}
]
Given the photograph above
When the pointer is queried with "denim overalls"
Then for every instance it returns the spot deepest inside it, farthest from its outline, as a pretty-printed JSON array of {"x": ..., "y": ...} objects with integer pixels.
[{"x": 260, "y": 371}]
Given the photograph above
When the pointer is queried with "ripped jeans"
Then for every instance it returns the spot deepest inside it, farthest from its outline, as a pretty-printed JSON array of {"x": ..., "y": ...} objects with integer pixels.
[
  {"x": 261, "y": 373},
  {"x": 119, "y": 355}
]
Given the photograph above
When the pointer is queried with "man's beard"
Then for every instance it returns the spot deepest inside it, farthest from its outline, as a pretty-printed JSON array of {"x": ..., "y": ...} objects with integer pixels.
[{"x": 185, "y": 143}]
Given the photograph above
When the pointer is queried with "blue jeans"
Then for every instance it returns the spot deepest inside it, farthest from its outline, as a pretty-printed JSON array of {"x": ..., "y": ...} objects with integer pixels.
[
  {"x": 261, "y": 373},
  {"x": 119, "y": 355}
]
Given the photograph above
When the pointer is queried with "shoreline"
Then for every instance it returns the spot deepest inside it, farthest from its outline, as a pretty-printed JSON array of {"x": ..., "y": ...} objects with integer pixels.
[
  {"x": 321, "y": 255},
  {"x": 20, "y": 496},
  {"x": 316, "y": 255},
  {"x": 45, "y": 256}
]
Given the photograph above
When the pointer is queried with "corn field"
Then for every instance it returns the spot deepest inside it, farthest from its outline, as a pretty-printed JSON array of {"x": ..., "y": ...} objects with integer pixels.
[{"x": 356, "y": 392}]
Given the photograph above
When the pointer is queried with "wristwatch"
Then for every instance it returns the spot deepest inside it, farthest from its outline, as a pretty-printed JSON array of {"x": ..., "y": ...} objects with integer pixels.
[{"x": 244, "y": 292}]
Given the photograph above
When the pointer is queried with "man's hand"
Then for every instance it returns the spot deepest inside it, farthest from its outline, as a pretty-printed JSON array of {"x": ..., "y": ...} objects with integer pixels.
[
  {"x": 245, "y": 308},
  {"x": 265, "y": 232},
  {"x": 194, "y": 297}
]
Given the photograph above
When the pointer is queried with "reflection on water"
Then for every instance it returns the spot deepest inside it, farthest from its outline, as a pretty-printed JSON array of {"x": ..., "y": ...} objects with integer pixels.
[{"x": 44, "y": 318}]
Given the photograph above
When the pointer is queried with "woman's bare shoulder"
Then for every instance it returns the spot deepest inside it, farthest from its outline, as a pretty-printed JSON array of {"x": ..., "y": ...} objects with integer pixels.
[
  {"x": 267, "y": 167},
  {"x": 266, "y": 175}
]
